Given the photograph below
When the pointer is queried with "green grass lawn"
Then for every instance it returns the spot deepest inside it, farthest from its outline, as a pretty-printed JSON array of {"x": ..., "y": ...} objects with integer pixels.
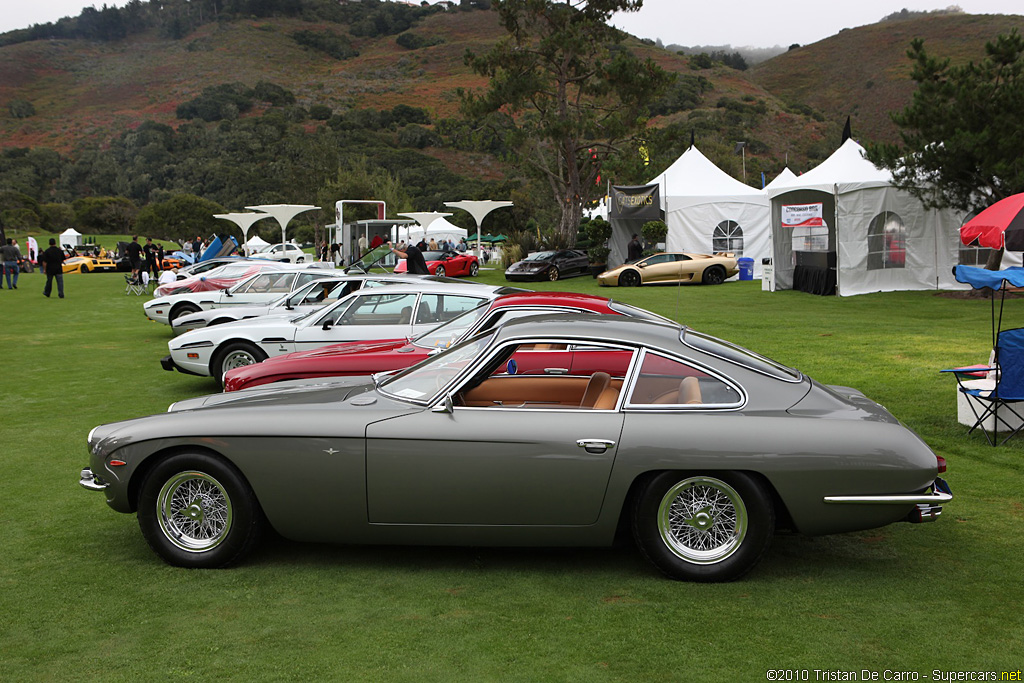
[{"x": 83, "y": 597}]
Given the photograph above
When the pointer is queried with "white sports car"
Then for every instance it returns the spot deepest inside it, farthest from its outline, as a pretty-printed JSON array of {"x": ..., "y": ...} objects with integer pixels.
[
  {"x": 284, "y": 251},
  {"x": 303, "y": 300},
  {"x": 261, "y": 287},
  {"x": 394, "y": 312}
]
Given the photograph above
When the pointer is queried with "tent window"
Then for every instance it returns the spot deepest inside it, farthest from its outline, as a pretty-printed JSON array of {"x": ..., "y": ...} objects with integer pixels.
[
  {"x": 887, "y": 242},
  {"x": 974, "y": 256},
  {"x": 728, "y": 236}
]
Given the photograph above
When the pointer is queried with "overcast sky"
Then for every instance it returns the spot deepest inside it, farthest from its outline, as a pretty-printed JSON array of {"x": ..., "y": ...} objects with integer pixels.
[{"x": 739, "y": 23}]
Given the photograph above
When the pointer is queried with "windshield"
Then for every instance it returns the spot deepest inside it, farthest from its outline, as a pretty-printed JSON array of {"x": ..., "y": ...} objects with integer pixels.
[
  {"x": 423, "y": 381},
  {"x": 540, "y": 256},
  {"x": 452, "y": 331}
]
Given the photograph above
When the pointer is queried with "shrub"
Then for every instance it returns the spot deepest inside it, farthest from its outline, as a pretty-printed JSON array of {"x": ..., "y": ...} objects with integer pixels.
[
  {"x": 21, "y": 109},
  {"x": 331, "y": 44}
]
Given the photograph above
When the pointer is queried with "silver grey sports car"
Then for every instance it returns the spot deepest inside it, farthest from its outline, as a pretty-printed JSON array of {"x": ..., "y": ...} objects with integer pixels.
[{"x": 701, "y": 447}]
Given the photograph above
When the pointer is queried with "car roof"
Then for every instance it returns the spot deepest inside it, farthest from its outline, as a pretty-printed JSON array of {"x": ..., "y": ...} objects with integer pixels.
[
  {"x": 550, "y": 298},
  {"x": 429, "y": 287},
  {"x": 613, "y": 328}
]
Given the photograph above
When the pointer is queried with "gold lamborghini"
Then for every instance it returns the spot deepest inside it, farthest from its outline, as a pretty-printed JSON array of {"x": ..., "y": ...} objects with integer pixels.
[{"x": 674, "y": 267}]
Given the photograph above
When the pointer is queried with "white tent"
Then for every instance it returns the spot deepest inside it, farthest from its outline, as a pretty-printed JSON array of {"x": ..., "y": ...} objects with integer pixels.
[
  {"x": 706, "y": 211},
  {"x": 71, "y": 237},
  {"x": 874, "y": 236},
  {"x": 437, "y": 229},
  {"x": 255, "y": 243},
  {"x": 781, "y": 179}
]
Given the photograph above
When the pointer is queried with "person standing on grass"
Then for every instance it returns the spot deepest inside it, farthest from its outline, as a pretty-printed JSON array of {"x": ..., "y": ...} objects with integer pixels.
[
  {"x": 150, "y": 251},
  {"x": 12, "y": 256},
  {"x": 134, "y": 252},
  {"x": 53, "y": 265}
]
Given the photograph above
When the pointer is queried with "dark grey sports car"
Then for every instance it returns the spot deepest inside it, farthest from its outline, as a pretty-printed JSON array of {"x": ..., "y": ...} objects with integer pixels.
[
  {"x": 702, "y": 448},
  {"x": 549, "y": 265}
]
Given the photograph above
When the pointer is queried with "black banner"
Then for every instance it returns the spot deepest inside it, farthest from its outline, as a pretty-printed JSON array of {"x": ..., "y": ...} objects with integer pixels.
[{"x": 640, "y": 202}]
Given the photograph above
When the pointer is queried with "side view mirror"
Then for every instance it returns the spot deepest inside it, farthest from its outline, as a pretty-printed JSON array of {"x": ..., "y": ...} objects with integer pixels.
[
  {"x": 328, "y": 324},
  {"x": 445, "y": 406},
  {"x": 640, "y": 265}
]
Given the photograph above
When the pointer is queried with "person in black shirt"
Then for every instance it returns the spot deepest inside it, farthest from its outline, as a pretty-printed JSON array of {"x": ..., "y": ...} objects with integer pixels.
[
  {"x": 634, "y": 250},
  {"x": 415, "y": 264},
  {"x": 150, "y": 251},
  {"x": 134, "y": 252},
  {"x": 53, "y": 266}
]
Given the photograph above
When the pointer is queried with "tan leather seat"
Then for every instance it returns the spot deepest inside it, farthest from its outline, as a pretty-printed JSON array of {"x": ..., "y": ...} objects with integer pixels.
[
  {"x": 599, "y": 381},
  {"x": 689, "y": 391},
  {"x": 406, "y": 316},
  {"x": 607, "y": 400}
]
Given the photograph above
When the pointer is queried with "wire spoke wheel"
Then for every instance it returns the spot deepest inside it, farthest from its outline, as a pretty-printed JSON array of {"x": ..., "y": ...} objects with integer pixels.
[
  {"x": 194, "y": 511},
  {"x": 702, "y": 520}
]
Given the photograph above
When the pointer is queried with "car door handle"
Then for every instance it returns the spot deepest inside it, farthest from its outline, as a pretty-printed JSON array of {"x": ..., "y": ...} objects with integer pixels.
[
  {"x": 595, "y": 445},
  {"x": 556, "y": 371}
]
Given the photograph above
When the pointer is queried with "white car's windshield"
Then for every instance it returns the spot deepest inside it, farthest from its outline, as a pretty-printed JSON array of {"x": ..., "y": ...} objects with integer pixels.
[
  {"x": 452, "y": 331},
  {"x": 426, "y": 379}
]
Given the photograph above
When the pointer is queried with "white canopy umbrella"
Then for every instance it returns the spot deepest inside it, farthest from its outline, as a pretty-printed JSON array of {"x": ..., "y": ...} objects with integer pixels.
[
  {"x": 478, "y": 209},
  {"x": 284, "y": 213},
  {"x": 243, "y": 221}
]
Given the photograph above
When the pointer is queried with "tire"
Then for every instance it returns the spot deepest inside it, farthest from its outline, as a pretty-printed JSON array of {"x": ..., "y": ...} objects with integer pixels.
[
  {"x": 301, "y": 259},
  {"x": 630, "y": 278},
  {"x": 85, "y": 268},
  {"x": 730, "y": 524},
  {"x": 714, "y": 275},
  {"x": 196, "y": 510},
  {"x": 235, "y": 355},
  {"x": 180, "y": 310},
  {"x": 553, "y": 274},
  {"x": 474, "y": 269},
  {"x": 440, "y": 271}
]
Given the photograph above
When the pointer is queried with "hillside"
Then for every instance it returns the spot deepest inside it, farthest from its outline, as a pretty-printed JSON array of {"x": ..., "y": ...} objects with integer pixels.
[{"x": 864, "y": 72}]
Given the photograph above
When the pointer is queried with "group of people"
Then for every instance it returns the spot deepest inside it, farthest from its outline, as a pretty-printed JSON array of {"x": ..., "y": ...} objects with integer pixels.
[{"x": 51, "y": 261}]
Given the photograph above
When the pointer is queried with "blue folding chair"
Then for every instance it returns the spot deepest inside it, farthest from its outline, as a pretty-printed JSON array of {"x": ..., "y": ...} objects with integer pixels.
[{"x": 1008, "y": 391}]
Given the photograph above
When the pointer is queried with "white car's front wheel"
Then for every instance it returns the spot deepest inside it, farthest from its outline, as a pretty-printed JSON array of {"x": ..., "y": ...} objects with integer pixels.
[{"x": 236, "y": 355}]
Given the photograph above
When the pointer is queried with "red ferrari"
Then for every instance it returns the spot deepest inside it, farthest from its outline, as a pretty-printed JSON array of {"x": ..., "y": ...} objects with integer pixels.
[
  {"x": 365, "y": 358},
  {"x": 450, "y": 263}
]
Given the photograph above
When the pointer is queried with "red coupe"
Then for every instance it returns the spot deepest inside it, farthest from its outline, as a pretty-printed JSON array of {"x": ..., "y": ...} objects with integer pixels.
[
  {"x": 365, "y": 358},
  {"x": 450, "y": 263}
]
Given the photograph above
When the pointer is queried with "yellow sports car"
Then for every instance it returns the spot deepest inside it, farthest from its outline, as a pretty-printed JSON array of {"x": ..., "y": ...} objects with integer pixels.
[
  {"x": 89, "y": 264},
  {"x": 672, "y": 267}
]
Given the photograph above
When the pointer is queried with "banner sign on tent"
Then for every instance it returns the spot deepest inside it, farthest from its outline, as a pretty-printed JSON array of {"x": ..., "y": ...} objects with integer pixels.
[
  {"x": 641, "y": 202},
  {"x": 803, "y": 215}
]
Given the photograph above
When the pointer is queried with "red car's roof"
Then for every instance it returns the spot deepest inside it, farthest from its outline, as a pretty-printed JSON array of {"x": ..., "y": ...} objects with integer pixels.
[{"x": 550, "y": 298}]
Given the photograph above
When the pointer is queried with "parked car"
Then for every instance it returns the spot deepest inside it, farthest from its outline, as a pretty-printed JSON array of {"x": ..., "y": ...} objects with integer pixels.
[
  {"x": 392, "y": 312},
  {"x": 312, "y": 295},
  {"x": 220, "y": 277},
  {"x": 549, "y": 265},
  {"x": 450, "y": 263},
  {"x": 89, "y": 264},
  {"x": 207, "y": 265},
  {"x": 701, "y": 448},
  {"x": 364, "y": 358},
  {"x": 261, "y": 287},
  {"x": 672, "y": 267},
  {"x": 283, "y": 251}
]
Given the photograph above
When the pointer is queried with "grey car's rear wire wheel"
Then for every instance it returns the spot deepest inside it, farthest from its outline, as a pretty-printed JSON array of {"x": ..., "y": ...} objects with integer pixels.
[
  {"x": 180, "y": 310},
  {"x": 703, "y": 527},
  {"x": 630, "y": 278},
  {"x": 196, "y": 510},
  {"x": 236, "y": 355},
  {"x": 715, "y": 275}
]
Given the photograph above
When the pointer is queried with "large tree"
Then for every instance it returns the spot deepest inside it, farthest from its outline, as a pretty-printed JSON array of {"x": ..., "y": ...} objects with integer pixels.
[
  {"x": 961, "y": 133},
  {"x": 575, "y": 93}
]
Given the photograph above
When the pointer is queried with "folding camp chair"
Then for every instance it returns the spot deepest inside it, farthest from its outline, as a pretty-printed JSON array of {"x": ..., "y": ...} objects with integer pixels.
[
  {"x": 133, "y": 286},
  {"x": 1007, "y": 392}
]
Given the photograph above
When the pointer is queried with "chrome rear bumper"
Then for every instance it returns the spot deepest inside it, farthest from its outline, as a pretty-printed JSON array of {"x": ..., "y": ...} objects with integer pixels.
[{"x": 928, "y": 506}]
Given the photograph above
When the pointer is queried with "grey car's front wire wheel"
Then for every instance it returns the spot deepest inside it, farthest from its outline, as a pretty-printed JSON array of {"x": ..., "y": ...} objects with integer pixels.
[
  {"x": 703, "y": 527},
  {"x": 196, "y": 510}
]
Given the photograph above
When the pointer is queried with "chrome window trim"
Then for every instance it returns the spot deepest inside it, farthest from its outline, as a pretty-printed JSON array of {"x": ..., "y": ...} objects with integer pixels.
[
  {"x": 678, "y": 407},
  {"x": 768, "y": 361}
]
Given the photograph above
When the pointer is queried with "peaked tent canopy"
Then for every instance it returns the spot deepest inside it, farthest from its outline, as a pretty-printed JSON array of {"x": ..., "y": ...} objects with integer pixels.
[
  {"x": 866, "y": 235},
  {"x": 71, "y": 238},
  {"x": 706, "y": 211}
]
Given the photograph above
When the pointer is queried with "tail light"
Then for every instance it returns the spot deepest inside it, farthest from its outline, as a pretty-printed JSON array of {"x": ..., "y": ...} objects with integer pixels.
[{"x": 941, "y": 463}]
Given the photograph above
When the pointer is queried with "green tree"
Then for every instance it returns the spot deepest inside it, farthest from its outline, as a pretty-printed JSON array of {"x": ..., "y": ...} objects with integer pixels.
[
  {"x": 104, "y": 214},
  {"x": 961, "y": 134},
  {"x": 180, "y": 216},
  {"x": 575, "y": 94}
]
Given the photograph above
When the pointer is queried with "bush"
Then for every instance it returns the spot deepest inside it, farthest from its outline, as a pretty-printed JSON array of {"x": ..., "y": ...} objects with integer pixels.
[
  {"x": 331, "y": 44},
  {"x": 21, "y": 109},
  {"x": 413, "y": 41},
  {"x": 654, "y": 232},
  {"x": 320, "y": 112}
]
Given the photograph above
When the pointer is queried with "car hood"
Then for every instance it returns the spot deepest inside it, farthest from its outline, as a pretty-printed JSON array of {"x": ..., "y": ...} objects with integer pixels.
[{"x": 322, "y": 391}]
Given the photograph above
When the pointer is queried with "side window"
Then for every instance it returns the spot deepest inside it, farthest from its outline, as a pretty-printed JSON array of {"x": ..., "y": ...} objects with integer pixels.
[
  {"x": 666, "y": 382},
  {"x": 381, "y": 309},
  {"x": 887, "y": 242},
  {"x": 276, "y": 282},
  {"x": 439, "y": 308}
]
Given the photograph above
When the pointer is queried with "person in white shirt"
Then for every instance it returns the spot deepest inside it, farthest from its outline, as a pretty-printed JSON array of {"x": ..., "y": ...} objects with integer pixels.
[{"x": 168, "y": 277}]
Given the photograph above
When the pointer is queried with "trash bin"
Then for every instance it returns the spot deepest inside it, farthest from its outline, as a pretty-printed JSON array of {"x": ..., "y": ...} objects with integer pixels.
[
  {"x": 767, "y": 275},
  {"x": 746, "y": 268}
]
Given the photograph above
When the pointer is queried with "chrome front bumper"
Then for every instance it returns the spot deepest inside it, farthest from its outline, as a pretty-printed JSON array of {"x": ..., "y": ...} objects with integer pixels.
[
  {"x": 928, "y": 506},
  {"x": 90, "y": 481}
]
